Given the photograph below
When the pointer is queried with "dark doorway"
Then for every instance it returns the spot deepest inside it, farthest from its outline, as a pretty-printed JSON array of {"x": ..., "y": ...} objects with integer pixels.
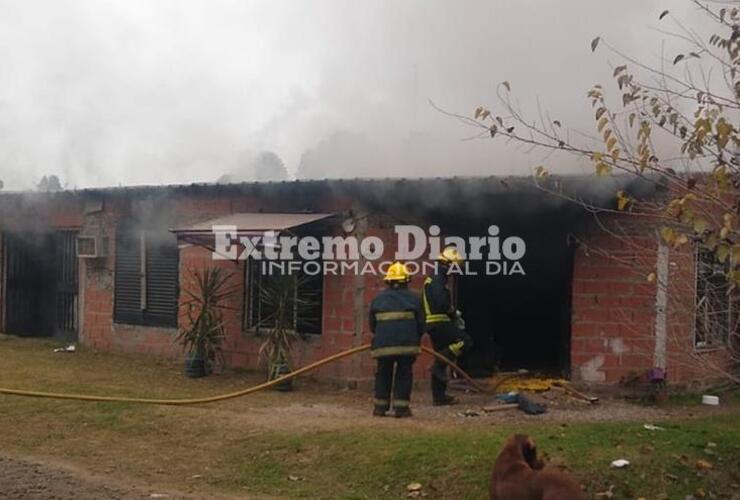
[
  {"x": 41, "y": 284},
  {"x": 522, "y": 321},
  {"x": 518, "y": 321}
]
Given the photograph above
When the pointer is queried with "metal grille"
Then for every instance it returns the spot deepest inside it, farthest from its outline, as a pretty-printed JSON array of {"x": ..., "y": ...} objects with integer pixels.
[
  {"x": 66, "y": 281},
  {"x": 307, "y": 308}
]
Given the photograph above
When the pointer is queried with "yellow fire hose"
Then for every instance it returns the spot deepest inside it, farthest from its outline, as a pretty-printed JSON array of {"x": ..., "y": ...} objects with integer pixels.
[{"x": 231, "y": 395}]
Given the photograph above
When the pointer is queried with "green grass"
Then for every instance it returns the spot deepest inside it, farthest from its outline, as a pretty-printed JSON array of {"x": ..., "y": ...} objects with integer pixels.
[
  {"x": 228, "y": 448},
  {"x": 455, "y": 463}
]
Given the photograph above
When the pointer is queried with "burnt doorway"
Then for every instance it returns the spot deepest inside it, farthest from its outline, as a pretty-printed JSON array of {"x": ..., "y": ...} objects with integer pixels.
[
  {"x": 518, "y": 321},
  {"x": 522, "y": 321},
  {"x": 41, "y": 284}
]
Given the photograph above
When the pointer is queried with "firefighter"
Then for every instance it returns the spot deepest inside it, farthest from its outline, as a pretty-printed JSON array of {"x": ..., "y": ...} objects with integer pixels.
[
  {"x": 443, "y": 324},
  {"x": 397, "y": 323}
]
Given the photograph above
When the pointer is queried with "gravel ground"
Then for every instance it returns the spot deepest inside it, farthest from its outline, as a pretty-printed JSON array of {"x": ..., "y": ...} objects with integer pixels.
[{"x": 21, "y": 479}]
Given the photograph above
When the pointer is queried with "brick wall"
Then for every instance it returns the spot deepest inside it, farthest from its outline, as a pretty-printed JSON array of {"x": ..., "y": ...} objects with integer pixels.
[
  {"x": 614, "y": 309},
  {"x": 613, "y": 304}
]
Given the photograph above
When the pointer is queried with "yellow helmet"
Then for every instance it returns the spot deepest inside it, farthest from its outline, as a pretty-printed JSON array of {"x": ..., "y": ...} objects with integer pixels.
[
  {"x": 450, "y": 255},
  {"x": 397, "y": 273}
]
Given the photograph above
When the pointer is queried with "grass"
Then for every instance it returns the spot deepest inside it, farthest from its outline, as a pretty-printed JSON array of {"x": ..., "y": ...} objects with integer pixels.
[{"x": 229, "y": 449}]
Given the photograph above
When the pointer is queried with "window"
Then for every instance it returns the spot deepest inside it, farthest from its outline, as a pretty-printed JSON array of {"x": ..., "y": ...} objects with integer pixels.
[
  {"x": 306, "y": 304},
  {"x": 713, "y": 310},
  {"x": 146, "y": 278}
]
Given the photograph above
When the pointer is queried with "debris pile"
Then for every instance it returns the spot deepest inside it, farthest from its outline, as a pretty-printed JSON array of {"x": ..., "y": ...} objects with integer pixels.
[{"x": 533, "y": 395}]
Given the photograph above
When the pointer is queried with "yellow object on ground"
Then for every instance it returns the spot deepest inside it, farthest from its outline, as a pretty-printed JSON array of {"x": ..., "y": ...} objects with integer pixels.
[{"x": 528, "y": 383}]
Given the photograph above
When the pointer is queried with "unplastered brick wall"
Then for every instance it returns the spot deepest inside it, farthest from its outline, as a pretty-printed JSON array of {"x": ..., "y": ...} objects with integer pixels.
[
  {"x": 613, "y": 303},
  {"x": 344, "y": 319}
]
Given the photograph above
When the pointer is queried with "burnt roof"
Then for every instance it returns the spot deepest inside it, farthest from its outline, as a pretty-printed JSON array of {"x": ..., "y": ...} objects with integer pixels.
[{"x": 402, "y": 193}]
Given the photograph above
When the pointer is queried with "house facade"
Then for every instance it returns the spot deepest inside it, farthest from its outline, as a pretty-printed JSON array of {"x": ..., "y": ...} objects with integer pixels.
[{"x": 110, "y": 268}]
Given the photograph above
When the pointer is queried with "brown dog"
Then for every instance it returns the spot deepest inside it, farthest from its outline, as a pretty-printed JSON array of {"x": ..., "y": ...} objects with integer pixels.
[{"x": 519, "y": 475}]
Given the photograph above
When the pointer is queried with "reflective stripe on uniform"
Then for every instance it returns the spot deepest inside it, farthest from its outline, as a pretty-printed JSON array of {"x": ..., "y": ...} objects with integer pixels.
[
  {"x": 382, "y": 403},
  {"x": 428, "y": 316},
  {"x": 456, "y": 348},
  {"x": 400, "y": 403},
  {"x": 393, "y": 316}
]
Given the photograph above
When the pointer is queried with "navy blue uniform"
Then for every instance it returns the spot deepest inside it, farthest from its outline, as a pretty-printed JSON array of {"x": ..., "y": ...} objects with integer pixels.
[
  {"x": 441, "y": 325},
  {"x": 397, "y": 322}
]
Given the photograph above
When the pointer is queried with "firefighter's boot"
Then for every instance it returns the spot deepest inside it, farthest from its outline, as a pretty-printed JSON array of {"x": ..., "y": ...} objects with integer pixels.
[
  {"x": 402, "y": 412},
  {"x": 446, "y": 401}
]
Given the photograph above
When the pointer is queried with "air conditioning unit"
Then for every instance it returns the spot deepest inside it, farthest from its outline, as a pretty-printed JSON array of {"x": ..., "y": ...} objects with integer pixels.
[{"x": 92, "y": 247}]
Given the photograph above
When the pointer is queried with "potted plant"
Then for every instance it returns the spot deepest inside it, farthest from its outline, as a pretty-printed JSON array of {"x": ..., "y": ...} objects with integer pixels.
[
  {"x": 204, "y": 334},
  {"x": 280, "y": 295}
]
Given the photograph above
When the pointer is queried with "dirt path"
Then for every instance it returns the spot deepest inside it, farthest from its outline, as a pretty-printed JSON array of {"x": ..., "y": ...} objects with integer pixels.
[
  {"x": 317, "y": 407},
  {"x": 29, "y": 480}
]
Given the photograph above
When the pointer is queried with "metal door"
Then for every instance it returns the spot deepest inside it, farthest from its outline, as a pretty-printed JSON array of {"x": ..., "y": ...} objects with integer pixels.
[{"x": 66, "y": 272}]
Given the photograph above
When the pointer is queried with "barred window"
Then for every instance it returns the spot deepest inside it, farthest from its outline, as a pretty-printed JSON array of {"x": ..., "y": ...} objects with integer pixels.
[
  {"x": 713, "y": 301},
  {"x": 305, "y": 303}
]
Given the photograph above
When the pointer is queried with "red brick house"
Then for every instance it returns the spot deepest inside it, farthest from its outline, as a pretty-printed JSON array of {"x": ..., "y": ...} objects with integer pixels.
[{"x": 105, "y": 267}]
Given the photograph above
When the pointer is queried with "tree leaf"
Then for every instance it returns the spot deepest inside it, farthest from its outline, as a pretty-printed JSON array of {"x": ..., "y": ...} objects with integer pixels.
[
  {"x": 540, "y": 171},
  {"x": 602, "y": 123},
  {"x": 595, "y": 43},
  {"x": 603, "y": 169},
  {"x": 668, "y": 234},
  {"x": 622, "y": 200},
  {"x": 723, "y": 251},
  {"x": 507, "y": 85},
  {"x": 681, "y": 239},
  {"x": 556, "y": 122},
  {"x": 678, "y": 58},
  {"x": 663, "y": 14},
  {"x": 619, "y": 69}
]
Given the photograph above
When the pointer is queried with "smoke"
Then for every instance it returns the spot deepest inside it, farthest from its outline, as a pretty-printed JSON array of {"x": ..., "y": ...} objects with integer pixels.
[{"x": 108, "y": 93}]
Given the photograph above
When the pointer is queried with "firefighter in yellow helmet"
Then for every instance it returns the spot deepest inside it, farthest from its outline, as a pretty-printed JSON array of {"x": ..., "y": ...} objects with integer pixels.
[
  {"x": 443, "y": 324},
  {"x": 397, "y": 322}
]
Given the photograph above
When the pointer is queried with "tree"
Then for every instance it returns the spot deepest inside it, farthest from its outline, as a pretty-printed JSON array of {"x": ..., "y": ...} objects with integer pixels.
[
  {"x": 49, "y": 184},
  {"x": 676, "y": 126}
]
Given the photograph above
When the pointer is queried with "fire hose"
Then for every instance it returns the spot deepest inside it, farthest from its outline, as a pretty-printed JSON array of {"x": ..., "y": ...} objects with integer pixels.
[{"x": 231, "y": 395}]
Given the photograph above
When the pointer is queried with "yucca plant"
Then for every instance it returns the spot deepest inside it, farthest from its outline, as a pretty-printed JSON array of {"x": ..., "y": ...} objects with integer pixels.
[
  {"x": 280, "y": 295},
  {"x": 204, "y": 335}
]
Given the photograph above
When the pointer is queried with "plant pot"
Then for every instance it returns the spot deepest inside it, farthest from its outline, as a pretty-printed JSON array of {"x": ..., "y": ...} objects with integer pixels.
[
  {"x": 195, "y": 365},
  {"x": 278, "y": 370}
]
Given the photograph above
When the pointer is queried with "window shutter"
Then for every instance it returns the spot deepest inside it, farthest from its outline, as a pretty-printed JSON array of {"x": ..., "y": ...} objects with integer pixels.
[
  {"x": 127, "y": 288},
  {"x": 162, "y": 272},
  {"x": 161, "y": 258}
]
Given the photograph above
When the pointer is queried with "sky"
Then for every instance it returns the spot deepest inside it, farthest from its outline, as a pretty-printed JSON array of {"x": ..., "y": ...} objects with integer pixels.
[{"x": 107, "y": 93}]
